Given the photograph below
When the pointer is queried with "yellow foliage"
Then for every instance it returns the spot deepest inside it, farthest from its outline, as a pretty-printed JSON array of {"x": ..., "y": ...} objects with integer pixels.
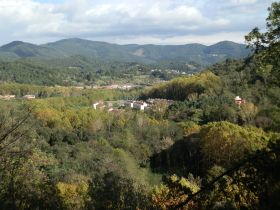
[
  {"x": 183, "y": 88},
  {"x": 189, "y": 128},
  {"x": 224, "y": 142},
  {"x": 247, "y": 112},
  {"x": 73, "y": 196},
  {"x": 167, "y": 196}
]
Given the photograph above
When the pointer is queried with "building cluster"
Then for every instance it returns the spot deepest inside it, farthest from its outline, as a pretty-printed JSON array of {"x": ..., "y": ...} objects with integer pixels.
[
  {"x": 10, "y": 97},
  {"x": 113, "y": 87},
  {"x": 140, "y": 105},
  {"x": 113, "y": 106},
  {"x": 104, "y": 87},
  {"x": 110, "y": 106},
  {"x": 171, "y": 71}
]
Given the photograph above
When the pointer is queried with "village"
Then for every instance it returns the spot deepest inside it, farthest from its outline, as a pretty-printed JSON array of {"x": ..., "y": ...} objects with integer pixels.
[
  {"x": 155, "y": 104},
  {"x": 141, "y": 105},
  {"x": 119, "y": 105},
  {"x": 171, "y": 71},
  {"x": 105, "y": 87}
]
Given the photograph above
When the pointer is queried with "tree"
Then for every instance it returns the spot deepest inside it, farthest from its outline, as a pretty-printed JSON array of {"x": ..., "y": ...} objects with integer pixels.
[
  {"x": 189, "y": 127},
  {"x": 174, "y": 191},
  {"x": 248, "y": 112},
  {"x": 224, "y": 143},
  {"x": 14, "y": 126},
  {"x": 74, "y": 196},
  {"x": 24, "y": 182},
  {"x": 266, "y": 46},
  {"x": 114, "y": 192},
  {"x": 252, "y": 183}
]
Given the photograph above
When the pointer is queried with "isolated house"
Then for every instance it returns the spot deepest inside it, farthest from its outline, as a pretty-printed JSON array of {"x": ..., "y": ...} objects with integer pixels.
[{"x": 239, "y": 100}]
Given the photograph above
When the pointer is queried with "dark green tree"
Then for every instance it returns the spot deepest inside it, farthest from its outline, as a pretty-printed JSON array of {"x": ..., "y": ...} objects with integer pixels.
[
  {"x": 114, "y": 192},
  {"x": 266, "y": 46}
]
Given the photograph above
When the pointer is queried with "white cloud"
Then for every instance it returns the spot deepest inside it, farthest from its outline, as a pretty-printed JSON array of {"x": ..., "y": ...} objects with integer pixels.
[
  {"x": 244, "y": 1},
  {"x": 120, "y": 19},
  {"x": 177, "y": 40}
]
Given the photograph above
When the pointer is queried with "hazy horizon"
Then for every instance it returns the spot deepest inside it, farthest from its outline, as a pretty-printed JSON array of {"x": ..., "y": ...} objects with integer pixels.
[{"x": 108, "y": 42}]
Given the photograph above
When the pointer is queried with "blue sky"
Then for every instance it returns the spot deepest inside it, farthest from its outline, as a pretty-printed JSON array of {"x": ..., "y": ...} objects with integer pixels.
[{"x": 131, "y": 21}]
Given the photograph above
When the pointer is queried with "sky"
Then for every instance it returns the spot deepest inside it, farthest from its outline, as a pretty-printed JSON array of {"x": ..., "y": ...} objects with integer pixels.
[{"x": 131, "y": 21}]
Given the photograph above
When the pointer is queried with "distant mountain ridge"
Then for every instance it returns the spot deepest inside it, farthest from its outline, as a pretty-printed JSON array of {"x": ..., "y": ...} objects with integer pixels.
[{"x": 198, "y": 53}]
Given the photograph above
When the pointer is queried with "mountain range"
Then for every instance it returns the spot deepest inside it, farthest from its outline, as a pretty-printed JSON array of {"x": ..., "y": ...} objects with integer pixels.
[{"x": 146, "y": 54}]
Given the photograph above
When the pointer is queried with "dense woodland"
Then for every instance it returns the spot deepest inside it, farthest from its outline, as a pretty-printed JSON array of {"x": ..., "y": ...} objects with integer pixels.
[
  {"x": 204, "y": 151},
  {"x": 82, "y": 71}
]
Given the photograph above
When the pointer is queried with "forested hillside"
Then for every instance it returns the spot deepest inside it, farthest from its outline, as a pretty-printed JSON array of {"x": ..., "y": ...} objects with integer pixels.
[
  {"x": 207, "y": 141},
  {"x": 145, "y": 54},
  {"x": 83, "y": 62},
  {"x": 79, "y": 71}
]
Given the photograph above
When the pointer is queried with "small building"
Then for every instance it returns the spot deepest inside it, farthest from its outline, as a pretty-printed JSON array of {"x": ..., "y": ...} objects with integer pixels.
[
  {"x": 12, "y": 96},
  {"x": 129, "y": 104},
  {"x": 95, "y": 105},
  {"x": 140, "y": 105},
  {"x": 29, "y": 97},
  {"x": 3, "y": 97},
  {"x": 98, "y": 105},
  {"x": 7, "y": 97},
  {"x": 238, "y": 100}
]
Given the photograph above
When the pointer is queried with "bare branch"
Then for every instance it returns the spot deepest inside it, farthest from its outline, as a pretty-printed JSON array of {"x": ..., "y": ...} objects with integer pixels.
[{"x": 16, "y": 126}]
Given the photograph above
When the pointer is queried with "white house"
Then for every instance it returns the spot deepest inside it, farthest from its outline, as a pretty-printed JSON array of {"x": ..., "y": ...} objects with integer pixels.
[
  {"x": 129, "y": 104},
  {"x": 239, "y": 100},
  {"x": 95, "y": 105},
  {"x": 12, "y": 96},
  {"x": 98, "y": 105}
]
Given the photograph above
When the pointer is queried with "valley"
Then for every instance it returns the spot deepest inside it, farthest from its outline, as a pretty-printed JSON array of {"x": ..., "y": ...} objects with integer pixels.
[{"x": 90, "y": 125}]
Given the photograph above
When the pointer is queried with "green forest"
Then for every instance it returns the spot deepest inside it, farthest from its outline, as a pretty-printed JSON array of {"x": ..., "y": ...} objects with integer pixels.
[
  {"x": 203, "y": 151},
  {"x": 82, "y": 71}
]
